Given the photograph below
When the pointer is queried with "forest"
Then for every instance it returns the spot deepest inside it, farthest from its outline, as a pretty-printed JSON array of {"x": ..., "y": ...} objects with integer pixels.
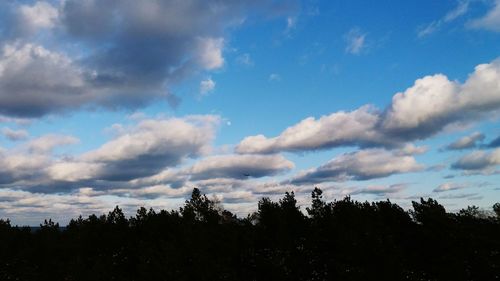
[{"x": 339, "y": 240}]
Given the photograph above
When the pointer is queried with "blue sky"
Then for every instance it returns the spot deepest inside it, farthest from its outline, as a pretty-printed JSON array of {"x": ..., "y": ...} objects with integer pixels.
[{"x": 137, "y": 102}]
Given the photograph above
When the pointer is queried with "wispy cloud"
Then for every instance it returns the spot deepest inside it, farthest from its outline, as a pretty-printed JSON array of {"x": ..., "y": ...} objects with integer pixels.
[
  {"x": 449, "y": 186},
  {"x": 207, "y": 86},
  {"x": 245, "y": 59},
  {"x": 461, "y": 9},
  {"x": 490, "y": 21},
  {"x": 356, "y": 41},
  {"x": 15, "y": 135},
  {"x": 291, "y": 24},
  {"x": 380, "y": 190},
  {"x": 274, "y": 77}
]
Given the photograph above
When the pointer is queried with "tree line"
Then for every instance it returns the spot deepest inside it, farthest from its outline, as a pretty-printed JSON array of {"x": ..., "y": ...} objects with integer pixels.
[{"x": 340, "y": 240}]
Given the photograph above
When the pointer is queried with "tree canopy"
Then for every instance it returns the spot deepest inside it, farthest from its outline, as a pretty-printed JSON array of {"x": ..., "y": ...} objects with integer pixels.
[{"x": 339, "y": 240}]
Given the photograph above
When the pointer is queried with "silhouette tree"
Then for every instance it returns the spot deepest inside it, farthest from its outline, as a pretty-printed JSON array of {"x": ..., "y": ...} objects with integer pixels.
[
  {"x": 116, "y": 217},
  {"x": 470, "y": 212},
  {"x": 496, "y": 209},
  {"x": 4, "y": 224},
  {"x": 429, "y": 212},
  {"x": 49, "y": 225},
  {"x": 340, "y": 240},
  {"x": 200, "y": 208},
  {"x": 318, "y": 207}
]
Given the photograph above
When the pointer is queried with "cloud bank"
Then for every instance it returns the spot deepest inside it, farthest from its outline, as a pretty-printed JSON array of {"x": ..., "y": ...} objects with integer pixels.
[
  {"x": 110, "y": 54},
  {"x": 466, "y": 142},
  {"x": 425, "y": 109},
  {"x": 359, "y": 165}
]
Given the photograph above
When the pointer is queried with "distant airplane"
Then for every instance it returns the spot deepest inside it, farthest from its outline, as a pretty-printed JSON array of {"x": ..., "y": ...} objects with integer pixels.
[{"x": 246, "y": 175}]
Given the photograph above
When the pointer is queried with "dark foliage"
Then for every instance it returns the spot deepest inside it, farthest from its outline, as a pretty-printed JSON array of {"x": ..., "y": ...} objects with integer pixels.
[{"x": 339, "y": 240}]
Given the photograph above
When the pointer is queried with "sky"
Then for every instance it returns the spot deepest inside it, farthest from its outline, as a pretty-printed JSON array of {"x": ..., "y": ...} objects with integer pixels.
[{"x": 136, "y": 102}]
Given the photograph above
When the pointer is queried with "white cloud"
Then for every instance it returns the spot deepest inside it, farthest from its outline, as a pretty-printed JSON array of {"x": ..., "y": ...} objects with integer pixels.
[
  {"x": 88, "y": 191},
  {"x": 46, "y": 143},
  {"x": 239, "y": 166},
  {"x": 337, "y": 129},
  {"x": 466, "y": 142},
  {"x": 173, "y": 177},
  {"x": 461, "y": 9},
  {"x": 490, "y": 21},
  {"x": 29, "y": 208},
  {"x": 429, "y": 97},
  {"x": 431, "y": 105},
  {"x": 40, "y": 15},
  {"x": 141, "y": 151},
  {"x": 379, "y": 190},
  {"x": 479, "y": 161},
  {"x": 17, "y": 121},
  {"x": 207, "y": 86},
  {"x": 21, "y": 167},
  {"x": 210, "y": 53},
  {"x": 360, "y": 165},
  {"x": 434, "y": 102},
  {"x": 136, "y": 116},
  {"x": 73, "y": 171},
  {"x": 428, "y": 29},
  {"x": 25, "y": 165},
  {"x": 411, "y": 149},
  {"x": 34, "y": 81},
  {"x": 239, "y": 196},
  {"x": 153, "y": 191},
  {"x": 174, "y": 136},
  {"x": 15, "y": 135},
  {"x": 110, "y": 62},
  {"x": 448, "y": 186}
]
